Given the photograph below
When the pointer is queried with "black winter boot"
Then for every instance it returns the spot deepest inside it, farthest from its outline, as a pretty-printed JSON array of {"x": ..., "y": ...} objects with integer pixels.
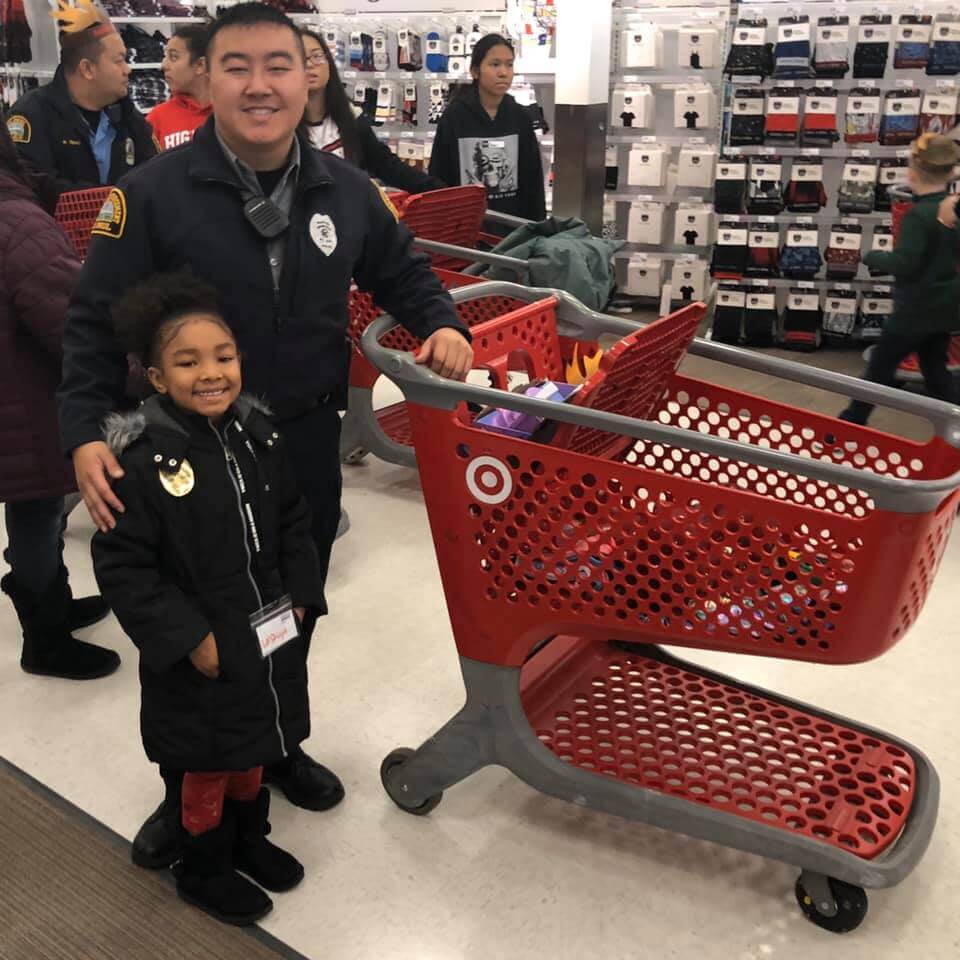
[
  {"x": 206, "y": 878},
  {"x": 254, "y": 854},
  {"x": 48, "y": 647}
]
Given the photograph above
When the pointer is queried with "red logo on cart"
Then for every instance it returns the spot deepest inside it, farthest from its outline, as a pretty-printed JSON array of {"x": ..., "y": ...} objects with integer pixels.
[{"x": 489, "y": 480}]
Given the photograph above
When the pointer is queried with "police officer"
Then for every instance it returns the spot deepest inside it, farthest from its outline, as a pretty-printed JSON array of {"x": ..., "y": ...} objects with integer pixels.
[
  {"x": 82, "y": 128},
  {"x": 280, "y": 229}
]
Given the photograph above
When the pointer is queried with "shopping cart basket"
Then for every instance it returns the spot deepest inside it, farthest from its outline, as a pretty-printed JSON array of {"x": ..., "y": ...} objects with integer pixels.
[
  {"x": 76, "y": 212},
  {"x": 672, "y": 510},
  {"x": 385, "y": 432},
  {"x": 909, "y": 369}
]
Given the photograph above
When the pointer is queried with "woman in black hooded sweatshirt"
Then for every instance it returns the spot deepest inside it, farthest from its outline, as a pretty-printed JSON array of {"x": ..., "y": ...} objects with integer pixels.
[{"x": 486, "y": 137}]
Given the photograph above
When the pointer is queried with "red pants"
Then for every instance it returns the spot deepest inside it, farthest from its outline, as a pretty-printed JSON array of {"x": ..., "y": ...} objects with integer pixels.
[{"x": 202, "y": 796}]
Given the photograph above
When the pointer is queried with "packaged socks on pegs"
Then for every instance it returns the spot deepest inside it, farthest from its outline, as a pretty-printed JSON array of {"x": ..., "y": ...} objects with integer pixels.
[
  {"x": 805, "y": 191},
  {"x": 760, "y": 318},
  {"x": 437, "y": 53},
  {"x": 409, "y": 51},
  {"x": 913, "y": 42},
  {"x": 800, "y": 257},
  {"x": 892, "y": 173},
  {"x": 842, "y": 255},
  {"x": 857, "y": 191},
  {"x": 938, "y": 112},
  {"x": 750, "y": 54},
  {"x": 839, "y": 313},
  {"x": 901, "y": 117},
  {"x": 945, "y": 53},
  {"x": 730, "y": 189},
  {"x": 439, "y": 98},
  {"x": 763, "y": 250},
  {"x": 747, "y": 118},
  {"x": 728, "y": 314},
  {"x": 791, "y": 55},
  {"x": 730, "y": 252},
  {"x": 381, "y": 55},
  {"x": 882, "y": 241},
  {"x": 782, "y": 121},
  {"x": 873, "y": 47},
  {"x": 862, "y": 124},
  {"x": 831, "y": 59},
  {"x": 819, "y": 127},
  {"x": 802, "y": 318},
  {"x": 409, "y": 109},
  {"x": 875, "y": 308},
  {"x": 334, "y": 41},
  {"x": 766, "y": 187}
]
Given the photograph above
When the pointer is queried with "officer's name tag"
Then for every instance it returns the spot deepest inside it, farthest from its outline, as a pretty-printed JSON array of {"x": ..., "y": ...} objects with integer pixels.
[{"x": 275, "y": 625}]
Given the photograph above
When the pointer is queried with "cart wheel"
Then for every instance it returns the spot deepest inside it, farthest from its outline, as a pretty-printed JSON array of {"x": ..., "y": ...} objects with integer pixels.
[
  {"x": 396, "y": 758},
  {"x": 851, "y": 906}
]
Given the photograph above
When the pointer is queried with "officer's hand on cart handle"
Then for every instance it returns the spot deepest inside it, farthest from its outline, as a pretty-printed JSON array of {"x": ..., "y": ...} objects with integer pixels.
[
  {"x": 96, "y": 468},
  {"x": 947, "y": 212},
  {"x": 206, "y": 658},
  {"x": 448, "y": 353}
]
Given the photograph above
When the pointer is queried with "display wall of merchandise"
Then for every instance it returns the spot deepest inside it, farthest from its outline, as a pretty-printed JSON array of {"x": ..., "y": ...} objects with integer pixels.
[
  {"x": 663, "y": 139},
  {"x": 821, "y": 102}
]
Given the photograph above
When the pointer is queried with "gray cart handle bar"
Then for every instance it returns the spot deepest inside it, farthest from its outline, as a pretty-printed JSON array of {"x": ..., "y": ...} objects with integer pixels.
[
  {"x": 421, "y": 385},
  {"x": 514, "y": 264}
]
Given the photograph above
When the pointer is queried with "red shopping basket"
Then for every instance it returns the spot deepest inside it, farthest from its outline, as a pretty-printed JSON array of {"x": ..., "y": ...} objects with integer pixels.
[{"x": 76, "y": 212}]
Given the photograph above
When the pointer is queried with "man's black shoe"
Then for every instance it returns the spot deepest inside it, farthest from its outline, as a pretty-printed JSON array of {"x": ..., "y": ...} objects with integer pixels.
[
  {"x": 304, "y": 782},
  {"x": 157, "y": 843},
  {"x": 86, "y": 611}
]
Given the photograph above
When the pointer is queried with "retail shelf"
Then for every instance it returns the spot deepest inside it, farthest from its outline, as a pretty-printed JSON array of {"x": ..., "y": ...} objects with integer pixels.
[
  {"x": 14, "y": 70},
  {"x": 145, "y": 66},
  {"x": 158, "y": 19},
  {"x": 878, "y": 217},
  {"x": 671, "y": 140},
  {"x": 863, "y": 152},
  {"x": 676, "y": 253},
  {"x": 350, "y": 73},
  {"x": 847, "y": 84},
  {"x": 877, "y": 284},
  {"x": 636, "y": 75},
  {"x": 641, "y": 193}
]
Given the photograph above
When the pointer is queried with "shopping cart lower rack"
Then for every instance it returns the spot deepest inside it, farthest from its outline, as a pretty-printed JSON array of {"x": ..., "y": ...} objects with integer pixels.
[{"x": 669, "y": 510}]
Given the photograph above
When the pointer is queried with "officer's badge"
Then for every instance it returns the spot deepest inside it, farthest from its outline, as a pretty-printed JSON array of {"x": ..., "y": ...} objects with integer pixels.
[
  {"x": 112, "y": 217},
  {"x": 19, "y": 128},
  {"x": 178, "y": 484},
  {"x": 323, "y": 233}
]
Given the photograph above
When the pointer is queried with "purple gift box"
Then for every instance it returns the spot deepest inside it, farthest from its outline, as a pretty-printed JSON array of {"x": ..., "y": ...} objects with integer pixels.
[{"x": 513, "y": 423}]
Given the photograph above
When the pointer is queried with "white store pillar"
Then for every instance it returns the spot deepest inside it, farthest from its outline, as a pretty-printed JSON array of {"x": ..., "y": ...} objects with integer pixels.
[{"x": 582, "y": 91}]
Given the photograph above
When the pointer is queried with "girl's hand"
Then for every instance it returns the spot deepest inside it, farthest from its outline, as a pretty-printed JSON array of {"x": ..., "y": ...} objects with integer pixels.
[{"x": 205, "y": 657}]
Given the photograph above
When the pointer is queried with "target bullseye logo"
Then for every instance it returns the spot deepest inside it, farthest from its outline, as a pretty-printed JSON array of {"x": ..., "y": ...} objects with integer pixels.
[{"x": 489, "y": 480}]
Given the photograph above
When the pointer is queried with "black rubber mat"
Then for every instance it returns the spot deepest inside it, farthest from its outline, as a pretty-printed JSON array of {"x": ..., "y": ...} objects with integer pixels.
[{"x": 68, "y": 891}]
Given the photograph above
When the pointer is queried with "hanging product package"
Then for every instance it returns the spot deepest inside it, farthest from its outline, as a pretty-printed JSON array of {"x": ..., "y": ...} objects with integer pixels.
[
  {"x": 730, "y": 252},
  {"x": 819, "y": 128},
  {"x": 882, "y": 242},
  {"x": 437, "y": 53},
  {"x": 692, "y": 225},
  {"x": 730, "y": 189},
  {"x": 862, "y": 123},
  {"x": 839, "y": 313},
  {"x": 945, "y": 53},
  {"x": 750, "y": 54},
  {"x": 938, "y": 112},
  {"x": 689, "y": 279},
  {"x": 805, "y": 192},
  {"x": 791, "y": 55},
  {"x": 694, "y": 107},
  {"x": 857, "y": 183},
  {"x": 802, "y": 318},
  {"x": 766, "y": 188},
  {"x": 695, "y": 166},
  {"x": 842, "y": 255},
  {"x": 645, "y": 222},
  {"x": 641, "y": 45},
  {"x": 698, "y": 48},
  {"x": 644, "y": 275},
  {"x": 632, "y": 106},
  {"x": 747, "y": 118},
  {"x": 913, "y": 42},
  {"x": 409, "y": 50},
  {"x": 763, "y": 250},
  {"x": 873, "y": 47},
  {"x": 800, "y": 257},
  {"x": 893, "y": 173},
  {"x": 901, "y": 117},
  {"x": 783, "y": 116},
  {"x": 831, "y": 57},
  {"x": 647, "y": 166},
  {"x": 760, "y": 319},
  {"x": 728, "y": 314},
  {"x": 875, "y": 309}
]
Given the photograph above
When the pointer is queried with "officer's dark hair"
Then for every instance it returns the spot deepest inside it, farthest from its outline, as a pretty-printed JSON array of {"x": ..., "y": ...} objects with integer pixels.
[
  {"x": 194, "y": 35},
  {"x": 74, "y": 47},
  {"x": 251, "y": 15},
  {"x": 339, "y": 108},
  {"x": 149, "y": 315},
  {"x": 484, "y": 45}
]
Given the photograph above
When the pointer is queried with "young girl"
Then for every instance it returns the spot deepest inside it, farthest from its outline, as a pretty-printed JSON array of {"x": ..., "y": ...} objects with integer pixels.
[
  {"x": 926, "y": 289},
  {"x": 333, "y": 125},
  {"x": 208, "y": 570},
  {"x": 486, "y": 137}
]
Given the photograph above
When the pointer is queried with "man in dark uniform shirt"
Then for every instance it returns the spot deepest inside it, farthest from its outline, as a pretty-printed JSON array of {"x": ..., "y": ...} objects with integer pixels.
[
  {"x": 82, "y": 128},
  {"x": 280, "y": 230}
]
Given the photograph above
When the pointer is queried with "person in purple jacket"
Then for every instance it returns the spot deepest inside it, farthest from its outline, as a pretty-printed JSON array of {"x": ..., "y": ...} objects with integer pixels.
[{"x": 38, "y": 268}]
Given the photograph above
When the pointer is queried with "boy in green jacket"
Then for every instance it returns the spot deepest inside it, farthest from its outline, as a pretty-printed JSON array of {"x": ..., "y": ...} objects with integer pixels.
[{"x": 925, "y": 295}]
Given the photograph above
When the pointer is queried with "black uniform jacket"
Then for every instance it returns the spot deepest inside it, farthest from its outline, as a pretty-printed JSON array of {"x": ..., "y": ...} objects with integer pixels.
[
  {"x": 176, "y": 568},
  {"x": 50, "y": 131},
  {"x": 185, "y": 210}
]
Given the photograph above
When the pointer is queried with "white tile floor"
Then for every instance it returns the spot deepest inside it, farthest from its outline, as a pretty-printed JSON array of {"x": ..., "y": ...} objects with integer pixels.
[{"x": 498, "y": 870}]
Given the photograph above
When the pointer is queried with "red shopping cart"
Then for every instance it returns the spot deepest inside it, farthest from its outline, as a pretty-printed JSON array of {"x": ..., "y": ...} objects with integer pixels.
[
  {"x": 909, "y": 369},
  {"x": 76, "y": 212},
  {"x": 670, "y": 510}
]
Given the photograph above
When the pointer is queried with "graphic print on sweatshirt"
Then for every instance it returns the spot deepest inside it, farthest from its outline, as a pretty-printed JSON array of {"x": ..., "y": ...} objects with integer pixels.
[{"x": 492, "y": 162}]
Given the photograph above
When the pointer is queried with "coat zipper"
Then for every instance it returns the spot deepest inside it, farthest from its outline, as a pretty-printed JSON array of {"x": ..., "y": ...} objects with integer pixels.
[{"x": 228, "y": 454}]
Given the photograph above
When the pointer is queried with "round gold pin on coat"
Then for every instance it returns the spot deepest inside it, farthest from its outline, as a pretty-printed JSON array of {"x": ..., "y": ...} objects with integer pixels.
[{"x": 178, "y": 484}]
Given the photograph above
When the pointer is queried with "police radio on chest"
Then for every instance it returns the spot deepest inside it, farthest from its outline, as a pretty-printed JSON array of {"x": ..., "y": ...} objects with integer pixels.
[{"x": 265, "y": 217}]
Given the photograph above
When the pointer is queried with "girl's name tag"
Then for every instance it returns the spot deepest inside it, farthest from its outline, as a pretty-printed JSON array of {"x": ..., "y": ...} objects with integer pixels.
[{"x": 275, "y": 625}]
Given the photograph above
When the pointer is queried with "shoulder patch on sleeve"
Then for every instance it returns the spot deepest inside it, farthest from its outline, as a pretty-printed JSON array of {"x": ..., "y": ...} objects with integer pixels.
[
  {"x": 19, "y": 128},
  {"x": 387, "y": 202},
  {"x": 112, "y": 217}
]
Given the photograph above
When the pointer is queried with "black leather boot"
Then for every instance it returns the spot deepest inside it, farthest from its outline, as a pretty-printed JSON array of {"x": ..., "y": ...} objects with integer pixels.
[
  {"x": 253, "y": 854},
  {"x": 304, "y": 782},
  {"x": 157, "y": 843},
  {"x": 206, "y": 878},
  {"x": 48, "y": 647}
]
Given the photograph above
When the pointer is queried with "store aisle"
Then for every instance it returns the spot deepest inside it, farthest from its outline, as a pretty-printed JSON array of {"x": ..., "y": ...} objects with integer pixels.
[{"x": 497, "y": 870}]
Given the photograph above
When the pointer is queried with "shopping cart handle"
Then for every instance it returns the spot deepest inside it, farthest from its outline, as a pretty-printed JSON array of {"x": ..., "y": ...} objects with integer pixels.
[
  {"x": 422, "y": 386},
  {"x": 507, "y": 219},
  {"x": 477, "y": 256},
  {"x": 578, "y": 321}
]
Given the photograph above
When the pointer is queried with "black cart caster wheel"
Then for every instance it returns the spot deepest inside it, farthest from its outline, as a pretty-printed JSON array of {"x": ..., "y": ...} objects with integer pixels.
[
  {"x": 851, "y": 906},
  {"x": 396, "y": 758}
]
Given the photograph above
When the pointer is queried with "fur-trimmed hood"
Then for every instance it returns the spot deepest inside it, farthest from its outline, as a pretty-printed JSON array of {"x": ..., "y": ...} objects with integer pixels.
[{"x": 120, "y": 430}]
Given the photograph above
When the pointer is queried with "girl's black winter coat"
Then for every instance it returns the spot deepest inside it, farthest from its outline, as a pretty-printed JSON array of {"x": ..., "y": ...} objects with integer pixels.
[{"x": 176, "y": 568}]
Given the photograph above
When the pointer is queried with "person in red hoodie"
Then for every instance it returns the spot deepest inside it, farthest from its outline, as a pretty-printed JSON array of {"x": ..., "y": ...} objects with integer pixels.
[{"x": 185, "y": 70}]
